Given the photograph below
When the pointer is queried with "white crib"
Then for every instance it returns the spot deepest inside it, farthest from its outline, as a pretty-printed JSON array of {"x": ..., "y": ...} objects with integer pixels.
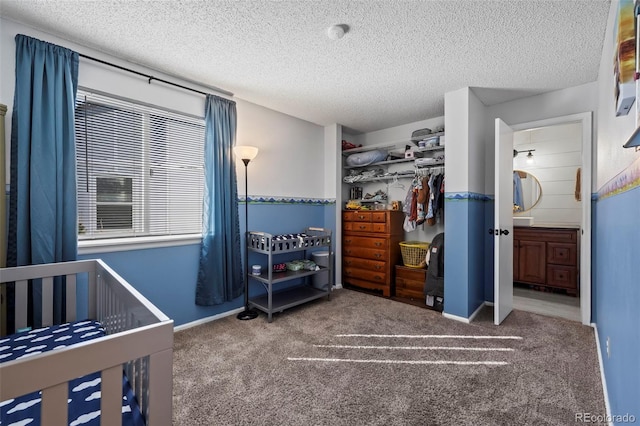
[{"x": 139, "y": 338}]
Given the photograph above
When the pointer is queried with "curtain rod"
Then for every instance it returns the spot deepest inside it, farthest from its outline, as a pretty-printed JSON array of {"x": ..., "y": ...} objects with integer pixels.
[{"x": 151, "y": 78}]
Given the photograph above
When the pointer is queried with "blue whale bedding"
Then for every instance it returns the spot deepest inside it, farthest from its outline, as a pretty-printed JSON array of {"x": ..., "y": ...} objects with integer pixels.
[{"x": 84, "y": 392}]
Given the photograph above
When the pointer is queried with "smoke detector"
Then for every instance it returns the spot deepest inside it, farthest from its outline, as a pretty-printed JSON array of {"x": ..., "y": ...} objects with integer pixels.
[{"x": 336, "y": 32}]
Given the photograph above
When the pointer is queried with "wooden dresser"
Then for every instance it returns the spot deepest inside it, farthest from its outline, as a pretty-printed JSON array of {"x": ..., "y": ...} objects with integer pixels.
[
  {"x": 547, "y": 257},
  {"x": 370, "y": 249},
  {"x": 410, "y": 283}
]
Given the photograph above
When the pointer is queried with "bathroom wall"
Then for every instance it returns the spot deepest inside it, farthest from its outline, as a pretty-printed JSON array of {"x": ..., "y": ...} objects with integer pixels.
[{"x": 557, "y": 157}]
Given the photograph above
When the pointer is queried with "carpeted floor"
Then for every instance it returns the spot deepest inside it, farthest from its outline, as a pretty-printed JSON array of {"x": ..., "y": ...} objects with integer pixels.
[{"x": 365, "y": 360}]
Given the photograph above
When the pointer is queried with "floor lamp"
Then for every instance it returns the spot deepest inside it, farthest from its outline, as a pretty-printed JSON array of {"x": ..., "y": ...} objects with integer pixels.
[{"x": 246, "y": 153}]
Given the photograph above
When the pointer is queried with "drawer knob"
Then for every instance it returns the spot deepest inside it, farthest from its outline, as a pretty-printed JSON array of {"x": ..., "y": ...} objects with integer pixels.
[
  {"x": 378, "y": 278},
  {"x": 361, "y": 217},
  {"x": 362, "y": 227},
  {"x": 378, "y": 244},
  {"x": 347, "y": 241},
  {"x": 378, "y": 255}
]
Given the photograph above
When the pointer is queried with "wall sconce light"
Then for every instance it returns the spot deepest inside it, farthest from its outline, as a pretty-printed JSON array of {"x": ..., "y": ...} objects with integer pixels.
[{"x": 529, "y": 159}]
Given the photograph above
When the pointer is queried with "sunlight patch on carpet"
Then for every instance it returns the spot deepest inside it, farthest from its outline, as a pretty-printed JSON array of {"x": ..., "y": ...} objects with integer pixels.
[
  {"x": 397, "y": 361},
  {"x": 430, "y": 336},
  {"x": 426, "y": 348}
]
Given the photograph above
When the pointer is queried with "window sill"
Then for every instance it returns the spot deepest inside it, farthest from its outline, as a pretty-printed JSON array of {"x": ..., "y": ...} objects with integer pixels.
[{"x": 136, "y": 243}]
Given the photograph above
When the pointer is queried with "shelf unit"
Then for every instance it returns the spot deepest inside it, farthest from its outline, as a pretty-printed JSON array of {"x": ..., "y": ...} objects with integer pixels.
[
  {"x": 386, "y": 163},
  {"x": 391, "y": 145},
  {"x": 270, "y": 245}
]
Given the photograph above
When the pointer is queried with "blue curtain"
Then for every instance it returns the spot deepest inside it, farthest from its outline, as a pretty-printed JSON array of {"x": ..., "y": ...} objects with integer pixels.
[
  {"x": 42, "y": 202},
  {"x": 220, "y": 277}
]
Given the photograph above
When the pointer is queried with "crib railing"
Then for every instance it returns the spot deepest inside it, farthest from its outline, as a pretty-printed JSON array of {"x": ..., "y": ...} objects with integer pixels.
[{"x": 139, "y": 339}]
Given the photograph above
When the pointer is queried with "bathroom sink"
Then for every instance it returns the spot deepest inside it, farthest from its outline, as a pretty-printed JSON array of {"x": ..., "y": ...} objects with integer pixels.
[{"x": 522, "y": 221}]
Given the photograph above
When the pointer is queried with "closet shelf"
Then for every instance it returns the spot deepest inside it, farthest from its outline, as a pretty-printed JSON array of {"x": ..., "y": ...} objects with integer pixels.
[
  {"x": 397, "y": 161},
  {"x": 396, "y": 144},
  {"x": 398, "y": 175}
]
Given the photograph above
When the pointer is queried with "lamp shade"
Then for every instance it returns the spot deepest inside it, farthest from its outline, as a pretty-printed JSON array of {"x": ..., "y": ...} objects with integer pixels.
[{"x": 245, "y": 152}]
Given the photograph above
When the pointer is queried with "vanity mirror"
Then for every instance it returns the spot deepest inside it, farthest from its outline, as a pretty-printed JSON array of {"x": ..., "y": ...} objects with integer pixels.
[{"x": 527, "y": 191}]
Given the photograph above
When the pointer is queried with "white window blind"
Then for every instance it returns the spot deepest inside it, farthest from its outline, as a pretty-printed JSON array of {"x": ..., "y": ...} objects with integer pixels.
[{"x": 140, "y": 169}]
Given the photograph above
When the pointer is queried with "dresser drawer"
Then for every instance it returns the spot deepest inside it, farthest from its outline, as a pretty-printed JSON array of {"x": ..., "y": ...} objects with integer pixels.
[
  {"x": 361, "y": 216},
  {"x": 380, "y": 228},
  {"x": 378, "y": 277},
  {"x": 562, "y": 254},
  {"x": 367, "y": 242},
  {"x": 358, "y": 226},
  {"x": 371, "y": 265},
  {"x": 366, "y": 253},
  {"x": 411, "y": 274},
  {"x": 378, "y": 216},
  {"x": 410, "y": 285}
]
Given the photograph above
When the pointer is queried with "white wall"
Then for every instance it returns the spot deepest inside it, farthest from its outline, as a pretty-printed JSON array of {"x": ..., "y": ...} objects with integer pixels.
[
  {"x": 557, "y": 156},
  {"x": 612, "y": 131},
  {"x": 291, "y": 158},
  {"x": 456, "y": 112},
  {"x": 563, "y": 102}
]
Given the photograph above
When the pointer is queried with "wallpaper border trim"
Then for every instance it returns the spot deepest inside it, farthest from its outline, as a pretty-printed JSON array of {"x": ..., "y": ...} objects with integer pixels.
[
  {"x": 626, "y": 180},
  {"x": 273, "y": 199}
]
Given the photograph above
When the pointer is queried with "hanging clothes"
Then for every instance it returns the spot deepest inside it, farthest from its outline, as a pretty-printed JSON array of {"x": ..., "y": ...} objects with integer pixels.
[{"x": 518, "y": 201}]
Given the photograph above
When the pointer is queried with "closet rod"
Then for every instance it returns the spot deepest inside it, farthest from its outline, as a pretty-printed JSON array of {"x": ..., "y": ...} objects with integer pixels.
[{"x": 150, "y": 77}]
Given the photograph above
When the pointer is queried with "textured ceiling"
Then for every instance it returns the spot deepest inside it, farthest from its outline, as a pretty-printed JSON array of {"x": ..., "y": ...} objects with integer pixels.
[{"x": 392, "y": 67}]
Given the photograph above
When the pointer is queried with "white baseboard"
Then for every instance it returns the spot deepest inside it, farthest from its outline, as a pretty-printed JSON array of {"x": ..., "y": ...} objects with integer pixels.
[
  {"x": 463, "y": 319},
  {"x": 220, "y": 316},
  {"x": 207, "y": 319},
  {"x": 477, "y": 311},
  {"x": 455, "y": 317},
  {"x": 602, "y": 377}
]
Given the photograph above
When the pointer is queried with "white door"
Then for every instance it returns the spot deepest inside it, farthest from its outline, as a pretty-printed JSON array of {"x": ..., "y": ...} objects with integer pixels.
[{"x": 503, "y": 226}]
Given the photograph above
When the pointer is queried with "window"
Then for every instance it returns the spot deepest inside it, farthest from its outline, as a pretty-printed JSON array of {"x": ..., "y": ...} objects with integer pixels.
[
  {"x": 140, "y": 169},
  {"x": 114, "y": 206}
]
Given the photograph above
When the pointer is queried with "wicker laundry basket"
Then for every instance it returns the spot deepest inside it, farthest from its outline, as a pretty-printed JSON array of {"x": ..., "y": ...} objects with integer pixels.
[{"x": 414, "y": 253}]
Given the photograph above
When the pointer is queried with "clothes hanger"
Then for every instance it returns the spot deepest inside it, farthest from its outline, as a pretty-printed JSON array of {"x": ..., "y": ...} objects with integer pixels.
[{"x": 396, "y": 183}]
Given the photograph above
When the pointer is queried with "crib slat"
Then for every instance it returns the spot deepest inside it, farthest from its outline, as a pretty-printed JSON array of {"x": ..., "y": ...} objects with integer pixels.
[
  {"x": 54, "y": 405},
  {"x": 111, "y": 396},
  {"x": 92, "y": 296},
  {"x": 21, "y": 304},
  {"x": 47, "y": 301},
  {"x": 71, "y": 297}
]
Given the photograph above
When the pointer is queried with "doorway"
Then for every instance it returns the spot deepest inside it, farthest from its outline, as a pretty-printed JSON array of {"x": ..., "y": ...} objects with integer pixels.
[{"x": 559, "y": 160}]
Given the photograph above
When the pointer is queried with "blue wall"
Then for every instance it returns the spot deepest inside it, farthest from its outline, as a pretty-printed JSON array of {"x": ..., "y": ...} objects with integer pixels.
[
  {"x": 617, "y": 296},
  {"x": 489, "y": 215},
  {"x": 167, "y": 276},
  {"x": 465, "y": 245}
]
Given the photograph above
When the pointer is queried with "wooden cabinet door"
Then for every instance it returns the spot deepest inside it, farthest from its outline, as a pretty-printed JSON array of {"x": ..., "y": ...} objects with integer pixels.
[
  {"x": 532, "y": 261},
  {"x": 516, "y": 260}
]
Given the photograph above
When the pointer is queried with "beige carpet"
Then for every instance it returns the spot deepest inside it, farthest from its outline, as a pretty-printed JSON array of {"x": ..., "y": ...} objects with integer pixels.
[{"x": 359, "y": 359}]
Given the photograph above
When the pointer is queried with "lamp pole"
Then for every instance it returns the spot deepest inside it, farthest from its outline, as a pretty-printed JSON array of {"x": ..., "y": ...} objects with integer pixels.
[{"x": 246, "y": 153}]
